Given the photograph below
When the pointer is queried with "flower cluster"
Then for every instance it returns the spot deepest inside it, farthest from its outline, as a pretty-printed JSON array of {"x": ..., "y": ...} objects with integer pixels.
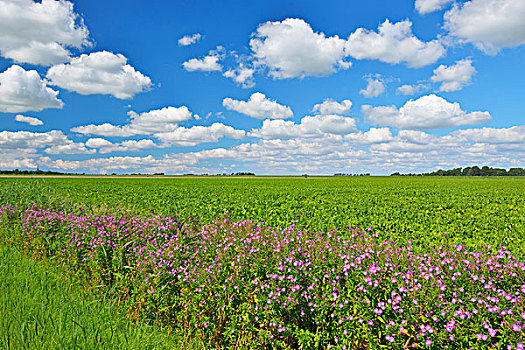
[{"x": 245, "y": 284}]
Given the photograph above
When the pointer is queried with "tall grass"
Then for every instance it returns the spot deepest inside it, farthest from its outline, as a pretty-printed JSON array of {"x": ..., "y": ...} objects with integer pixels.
[{"x": 40, "y": 308}]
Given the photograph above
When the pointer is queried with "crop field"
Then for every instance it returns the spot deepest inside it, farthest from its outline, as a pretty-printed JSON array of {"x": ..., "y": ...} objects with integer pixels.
[{"x": 287, "y": 263}]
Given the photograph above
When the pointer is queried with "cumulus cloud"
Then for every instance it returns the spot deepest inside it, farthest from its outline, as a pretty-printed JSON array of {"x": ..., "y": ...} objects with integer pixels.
[
  {"x": 55, "y": 140},
  {"x": 188, "y": 40},
  {"x": 427, "y": 6},
  {"x": 259, "y": 107},
  {"x": 328, "y": 124},
  {"x": 158, "y": 120},
  {"x": 419, "y": 137},
  {"x": 199, "y": 134},
  {"x": 154, "y": 121},
  {"x": 40, "y": 32},
  {"x": 103, "y": 164},
  {"x": 22, "y": 91},
  {"x": 100, "y": 72},
  {"x": 29, "y": 120},
  {"x": 291, "y": 48},
  {"x": 310, "y": 126},
  {"x": 139, "y": 144},
  {"x": 8, "y": 161},
  {"x": 415, "y": 141},
  {"x": 412, "y": 89},
  {"x": 276, "y": 129},
  {"x": 242, "y": 76},
  {"x": 330, "y": 106},
  {"x": 105, "y": 129},
  {"x": 208, "y": 63},
  {"x": 455, "y": 77},
  {"x": 375, "y": 151},
  {"x": 372, "y": 136},
  {"x": 394, "y": 43},
  {"x": 427, "y": 112},
  {"x": 375, "y": 87},
  {"x": 514, "y": 134},
  {"x": 98, "y": 142},
  {"x": 488, "y": 24},
  {"x": 105, "y": 146},
  {"x": 70, "y": 148}
]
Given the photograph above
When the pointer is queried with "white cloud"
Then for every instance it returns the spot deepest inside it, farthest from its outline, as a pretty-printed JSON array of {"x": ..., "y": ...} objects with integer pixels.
[
  {"x": 8, "y": 161},
  {"x": 378, "y": 152},
  {"x": 103, "y": 164},
  {"x": 40, "y": 32},
  {"x": 105, "y": 129},
  {"x": 188, "y": 40},
  {"x": 199, "y": 134},
  {"x": 100, "y": 72},
  {"x": 98, "y": 142},
  {"x": 277, "y": 129},
  {"x": 418, "y": 137},
  {"x": 394, "y": 43},
  {"x": 329, "y": 124},
  {"x": 22, "y": 91},
  {"x": 427, "y": 6},
  {"x": 30, "y": 141},
  {"x": 159, "y": 120},
  {"x": 372, "y": 136},
  {"x": 514, "y": 134},
  {"x": 310, "y": 126},
  {"x": 29, "y": 120},
  {"x": 291, "y": 49},
  {"x": 455, "y": 77},
  {"x": 259, "y": 107},
  {"x": 139, "y": 144},
  {"x": 208, "y": 63},
  {"x": 415, "y": 141},
  {"x": 105, "y": 146},
  {"x": 412, "y": 89},
  {"x": 374, "y": 87},
  {"x": 154, "y": 121},
  {"x": 427, "y": 112},
  {"x": 70, "y": 148},
  {"x": 241, "y": 75},
  {"x": 488, "y": 24},
  {"x": 333, "y": 107}
]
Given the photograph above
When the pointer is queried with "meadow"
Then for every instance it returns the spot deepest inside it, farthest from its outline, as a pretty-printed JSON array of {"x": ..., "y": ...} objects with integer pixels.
[{"x": 311, "y": 263}]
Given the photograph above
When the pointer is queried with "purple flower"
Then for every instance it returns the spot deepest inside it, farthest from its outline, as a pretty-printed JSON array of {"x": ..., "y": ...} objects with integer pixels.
[{"x": 482, "y": 336}]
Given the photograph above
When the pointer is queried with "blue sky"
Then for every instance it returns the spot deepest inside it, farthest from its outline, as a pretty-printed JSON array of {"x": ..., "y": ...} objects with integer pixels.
[{"x": 273, "y": 87}]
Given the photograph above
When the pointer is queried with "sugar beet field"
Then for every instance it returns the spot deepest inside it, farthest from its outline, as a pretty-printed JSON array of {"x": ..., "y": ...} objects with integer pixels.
[{"x": 283, "y": 263}]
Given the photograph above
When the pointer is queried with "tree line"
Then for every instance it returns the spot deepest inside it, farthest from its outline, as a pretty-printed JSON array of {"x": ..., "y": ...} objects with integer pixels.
[
  {"x": 473, "y": 171},
  {"x": 33, "y": 172}
]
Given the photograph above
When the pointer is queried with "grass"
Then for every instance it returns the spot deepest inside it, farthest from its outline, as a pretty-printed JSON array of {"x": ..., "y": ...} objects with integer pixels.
[{"x": 42, "y": 309}]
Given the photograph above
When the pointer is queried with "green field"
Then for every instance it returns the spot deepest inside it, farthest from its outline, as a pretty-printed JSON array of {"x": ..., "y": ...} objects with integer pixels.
[
  {"x": 42, "y": 309},
  {"x": 473, "y": 210},
  {"x": 272, "y": 263}
]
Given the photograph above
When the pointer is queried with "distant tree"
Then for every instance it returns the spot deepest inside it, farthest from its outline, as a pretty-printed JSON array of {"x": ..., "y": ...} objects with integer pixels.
[
  {"x": 476, "y": 171},
  {"x": 516, "y": 172}
]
